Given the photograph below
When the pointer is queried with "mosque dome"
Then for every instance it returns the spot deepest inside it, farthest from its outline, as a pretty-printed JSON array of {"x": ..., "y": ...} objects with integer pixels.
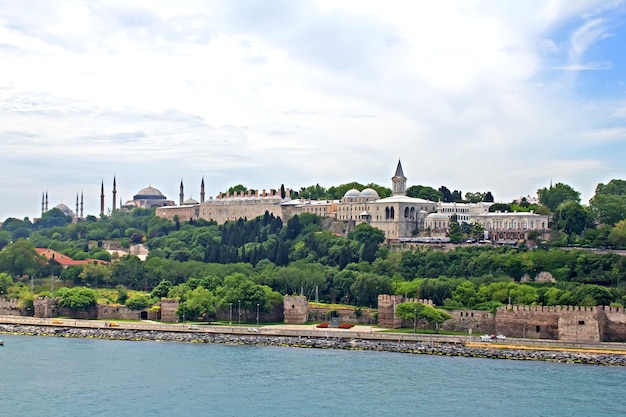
[
  {"x": 353, "y": 193},
  {"x": 65, "y": 209},
  {"x": 189, "y": 202},
  {"x": 369, "y": 193},
  {"x": 149, "y": 193},
  {"x": 432, "y": 216}
]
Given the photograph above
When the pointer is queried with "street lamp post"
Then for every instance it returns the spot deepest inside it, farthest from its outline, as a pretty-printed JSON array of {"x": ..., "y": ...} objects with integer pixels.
[
  {"x": 257, "y": 314},
  {"x": 230, "y": 315},
  {"x": 239, "y": 323}
]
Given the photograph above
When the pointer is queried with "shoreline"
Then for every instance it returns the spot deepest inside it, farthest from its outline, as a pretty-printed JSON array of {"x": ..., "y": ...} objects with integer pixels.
[{"x": 324, "y": 341}]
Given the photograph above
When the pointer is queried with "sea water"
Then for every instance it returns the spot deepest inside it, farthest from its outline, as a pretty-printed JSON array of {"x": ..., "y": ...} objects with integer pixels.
[{"x": 53, "y": 376}]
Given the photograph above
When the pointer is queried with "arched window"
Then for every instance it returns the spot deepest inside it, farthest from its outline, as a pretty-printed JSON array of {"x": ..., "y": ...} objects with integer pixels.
[
  {"x": 387, "y": 213},
  {"x": 406, "y": 212},
  {"x": 412, "y": 213},
  {"x": 392, "y": 213}
]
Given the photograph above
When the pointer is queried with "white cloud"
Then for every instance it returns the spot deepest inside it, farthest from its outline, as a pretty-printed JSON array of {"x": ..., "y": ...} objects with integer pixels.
[{"x": 299, "y": 93}]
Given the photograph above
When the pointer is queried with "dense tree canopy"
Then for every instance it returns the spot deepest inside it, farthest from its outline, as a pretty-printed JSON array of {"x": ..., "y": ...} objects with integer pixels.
[
  {"x": 425, "y": 192},
  {"x": 609, "y": 202},
  {"x": 556, "y": 194}
]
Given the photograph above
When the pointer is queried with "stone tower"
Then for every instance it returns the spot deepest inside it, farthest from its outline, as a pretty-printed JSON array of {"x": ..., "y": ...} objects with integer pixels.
[
  {"x": 296, "y": 309},
  {"x": 398, "y": 181}
]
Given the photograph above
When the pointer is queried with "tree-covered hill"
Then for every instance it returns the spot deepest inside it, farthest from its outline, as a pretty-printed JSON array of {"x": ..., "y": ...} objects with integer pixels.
[{"x": 265, "y": 257}]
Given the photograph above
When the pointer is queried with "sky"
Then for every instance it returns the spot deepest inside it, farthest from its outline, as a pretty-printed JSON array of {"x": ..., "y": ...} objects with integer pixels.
[{"x": 478, "y": 96}]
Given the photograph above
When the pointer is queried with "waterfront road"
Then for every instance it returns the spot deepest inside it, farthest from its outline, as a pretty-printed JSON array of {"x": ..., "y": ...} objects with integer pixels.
[{"x": 310, "y": 330}]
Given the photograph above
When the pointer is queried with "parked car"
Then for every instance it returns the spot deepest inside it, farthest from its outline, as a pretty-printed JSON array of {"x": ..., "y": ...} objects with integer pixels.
[
  {"x": 501, "y": 337},
  {"x": 485, "y": 338}
]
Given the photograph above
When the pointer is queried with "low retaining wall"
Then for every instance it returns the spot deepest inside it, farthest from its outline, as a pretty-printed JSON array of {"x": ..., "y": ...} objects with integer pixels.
[{"x": 325, "y": 341}]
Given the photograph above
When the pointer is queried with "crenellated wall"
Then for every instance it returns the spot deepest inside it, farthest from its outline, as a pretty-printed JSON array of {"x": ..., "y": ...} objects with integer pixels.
[
  {"x": 10, "y": 307},
  {"x": 533, "y": 322},
  {"x": 387, "y": 308},
  {"x": 46, "y": 307},
  {"x": 567, "y": 323},
  {"x": 615, "y": 325}
]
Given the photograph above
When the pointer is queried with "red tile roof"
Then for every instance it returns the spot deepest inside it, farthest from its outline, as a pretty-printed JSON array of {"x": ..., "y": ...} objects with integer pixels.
[{"x": 64, "y": 260}]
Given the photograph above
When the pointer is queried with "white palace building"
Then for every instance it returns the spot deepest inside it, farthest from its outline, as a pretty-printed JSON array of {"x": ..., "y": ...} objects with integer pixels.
[{"x": 400, "y": 217}]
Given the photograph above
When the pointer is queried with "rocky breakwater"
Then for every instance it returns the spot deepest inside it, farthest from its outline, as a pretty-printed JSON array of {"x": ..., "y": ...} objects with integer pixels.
[{"x": 321, "y": 342}]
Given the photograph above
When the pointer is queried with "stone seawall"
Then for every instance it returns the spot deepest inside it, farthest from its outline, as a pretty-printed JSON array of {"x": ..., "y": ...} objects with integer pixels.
[{"x": 322, "y": 342}]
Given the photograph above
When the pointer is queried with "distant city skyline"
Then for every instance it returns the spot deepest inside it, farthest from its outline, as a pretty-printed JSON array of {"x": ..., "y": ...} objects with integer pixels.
[{"x": 488, "y": 96}]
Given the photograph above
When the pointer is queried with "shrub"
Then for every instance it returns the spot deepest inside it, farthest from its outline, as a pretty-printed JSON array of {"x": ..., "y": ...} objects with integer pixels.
[
  {"x": 323, "y": 325},
  {"x": 346, "y": 325}
]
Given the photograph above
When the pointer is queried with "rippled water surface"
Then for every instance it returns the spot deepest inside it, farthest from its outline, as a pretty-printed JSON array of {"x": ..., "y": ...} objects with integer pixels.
[{"x": 49, "y": 376}]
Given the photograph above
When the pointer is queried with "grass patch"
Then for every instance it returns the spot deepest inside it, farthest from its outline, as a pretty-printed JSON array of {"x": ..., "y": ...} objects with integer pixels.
[{"x": 424, "y": 331}]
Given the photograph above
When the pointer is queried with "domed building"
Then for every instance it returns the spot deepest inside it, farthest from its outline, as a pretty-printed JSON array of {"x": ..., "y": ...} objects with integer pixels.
[
  {"x": 190, "y": 202},
  {"x": 65, "y": 210},
  {"x": 369, "y": 193},
  {"x": 399, "y": 216},
  {"x": 148, "y": 197}
]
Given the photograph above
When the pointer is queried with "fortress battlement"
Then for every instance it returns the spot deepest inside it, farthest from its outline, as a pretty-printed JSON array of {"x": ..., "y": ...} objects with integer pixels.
[{"x": 556, "y": 309}]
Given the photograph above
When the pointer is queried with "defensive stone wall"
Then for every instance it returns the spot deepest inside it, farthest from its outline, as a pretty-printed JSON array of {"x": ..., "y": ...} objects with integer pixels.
[
  {"x": 296, "y": 309},
  {"x": 89, "y": 314},
  {"x": 117, "y": 312},
  {"x": 615, "y": 324},
  {"x": 346, "y": 315},
  {"x": 46, "y": 307},
  {"x": 479, "y": 322},
  {"x": 567, "y": 323},
  {"x": 10, "y": 307},
  {"x": 584, "y": 324},
  {"x": 387, "y": 309},
  {"x": 533, "y": 322},
  {"x": 168, "y": 310}
]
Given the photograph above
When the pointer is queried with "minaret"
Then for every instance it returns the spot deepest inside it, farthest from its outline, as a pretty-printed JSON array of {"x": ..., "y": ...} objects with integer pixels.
[
  {"x": 398, "y": 181},
  {"x": 76, "y": 212},
  {"x": 42, "y": 202},
  {"x": 102, "y": 199},
  {"x": 202, "y": 190},
  {"x": 46, "y": 200},
  {"x": 81, "y": 205},
  {"x": 182, "y": 193},
  {"x": 114, "y": 193}
]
